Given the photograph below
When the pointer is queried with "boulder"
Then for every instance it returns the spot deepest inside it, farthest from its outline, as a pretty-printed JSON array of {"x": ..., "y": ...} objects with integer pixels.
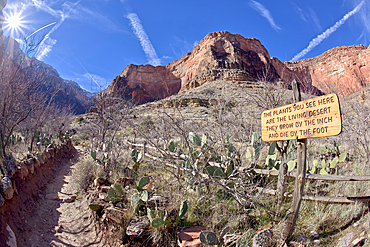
[
  {"x": 7, "y": 188},
  {"x": 157, "y": 200},
  {"x": 189, "y": 237},
  {"x": 10, "y": 167},
  {"x": 137, "y": 226},
  {"x": 30, "y": 165},
  {"x": 52, "y": 196},
  {"x": 359, "y": 241},
  {"x": 116, "y": 216},
  {"x": 11, "y": 240},
  {"x": 69, "y": 199}
]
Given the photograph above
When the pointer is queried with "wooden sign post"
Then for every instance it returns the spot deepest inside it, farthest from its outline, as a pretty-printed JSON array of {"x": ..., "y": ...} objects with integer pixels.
[{"x": 317, "y": 117}]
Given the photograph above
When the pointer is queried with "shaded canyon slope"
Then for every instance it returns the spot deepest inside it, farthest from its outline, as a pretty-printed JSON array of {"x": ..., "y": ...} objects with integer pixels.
[
  {"x": 64, "y": 93},
  {"x": 231, "y": 57}
]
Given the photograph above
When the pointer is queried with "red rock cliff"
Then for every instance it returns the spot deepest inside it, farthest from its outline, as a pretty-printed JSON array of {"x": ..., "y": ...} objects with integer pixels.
[
  {"x": 226, "y": 56},
  {"x": 342, "y": 70},
  {"x": 220, "y": 55},
  {"x": 144, "y": 83}
]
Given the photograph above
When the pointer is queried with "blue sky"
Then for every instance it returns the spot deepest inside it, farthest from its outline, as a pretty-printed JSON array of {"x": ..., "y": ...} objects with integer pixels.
[{"x": 92, "y": 41}]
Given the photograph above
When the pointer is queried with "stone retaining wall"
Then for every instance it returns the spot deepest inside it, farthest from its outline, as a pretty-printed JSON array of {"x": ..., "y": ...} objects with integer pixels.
[{"x": 23, "y": 180}]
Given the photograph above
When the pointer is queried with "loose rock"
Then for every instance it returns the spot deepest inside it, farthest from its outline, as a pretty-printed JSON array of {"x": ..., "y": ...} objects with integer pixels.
[
  {"x": 114, "y": 215},
  {"x": 314, "y": 235},
  {"x": 359, "y": 242},
  {"x": 157, "y": 201},
  {"x": 8, "y": 189},
  {"x": 190, "y": 236},
  {"x": 69, "y": 199},
  {"x": 12, "y": 240},
  {"x": 137, "y": 226},
  {"x": 317, "y": 242}
]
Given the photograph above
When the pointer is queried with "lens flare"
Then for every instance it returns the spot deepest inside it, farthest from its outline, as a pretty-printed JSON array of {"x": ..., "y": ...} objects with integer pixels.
[
  {"x": 15, "y": 24},
  {"x": 14, "y": 21}
]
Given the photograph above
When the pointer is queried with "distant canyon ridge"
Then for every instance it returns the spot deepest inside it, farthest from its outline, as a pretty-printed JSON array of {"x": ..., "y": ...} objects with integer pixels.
[{"x": 225, "y": 56}]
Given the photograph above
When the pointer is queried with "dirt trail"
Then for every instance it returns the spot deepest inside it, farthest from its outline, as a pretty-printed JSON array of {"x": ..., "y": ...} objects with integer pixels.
[{"x": 54, "y": 221}]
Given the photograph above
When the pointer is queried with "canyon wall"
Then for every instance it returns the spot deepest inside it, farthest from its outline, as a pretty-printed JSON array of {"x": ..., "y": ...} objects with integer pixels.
[
  {"x": 342, "y": 70},
  {"x": 226, "y": 56}
]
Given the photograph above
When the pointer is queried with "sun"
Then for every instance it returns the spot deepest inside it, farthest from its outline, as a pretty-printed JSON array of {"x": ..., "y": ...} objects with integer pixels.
[
  {"x": 14, "y": 21},
  {"x": 15, "y": 24}
]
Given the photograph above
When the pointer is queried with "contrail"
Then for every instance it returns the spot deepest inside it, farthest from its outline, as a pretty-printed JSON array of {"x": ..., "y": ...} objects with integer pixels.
[
  {"x": 87, "y": 72},
  {"x": 41, "y": 29},
  {"x": 44, "y": 49},
  {"x": 265, "y": 13},
  {"x": 144, "y": 39},
  {"x": 313, "y": 43}
]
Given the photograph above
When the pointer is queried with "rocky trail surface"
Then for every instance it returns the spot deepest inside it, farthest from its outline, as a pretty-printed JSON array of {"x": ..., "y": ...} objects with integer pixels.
[{"x": 57, "y": 217}]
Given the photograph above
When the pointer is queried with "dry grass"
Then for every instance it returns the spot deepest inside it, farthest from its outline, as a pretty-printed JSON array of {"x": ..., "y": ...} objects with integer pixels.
[{"x": 82, "y": 174}]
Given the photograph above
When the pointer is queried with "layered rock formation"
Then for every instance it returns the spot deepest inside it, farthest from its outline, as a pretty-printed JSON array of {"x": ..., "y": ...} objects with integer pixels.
[
  {"x": 342, "y": 70},
  {"x": 226, "y": 56},
  {"x": 220, "y": 55},
  {"x": 144, "y": 83}
]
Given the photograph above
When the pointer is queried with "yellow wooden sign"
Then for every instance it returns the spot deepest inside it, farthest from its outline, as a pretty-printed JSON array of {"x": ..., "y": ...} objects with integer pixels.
[{"x": 317, "y": 117}]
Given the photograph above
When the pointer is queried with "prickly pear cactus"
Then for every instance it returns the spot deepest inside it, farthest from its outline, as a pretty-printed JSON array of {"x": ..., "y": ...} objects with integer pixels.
[{"x": 264, "y": 238}]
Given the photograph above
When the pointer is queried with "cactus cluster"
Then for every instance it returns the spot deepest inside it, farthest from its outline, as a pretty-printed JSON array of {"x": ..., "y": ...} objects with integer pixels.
[
  {"x": 170, "y": 220},
  {"x": 141, "y": 196},
  {"x": 328, "y": 166},
  {"x": 116, "y": 193},
  {"x": 254, "y": 151},
  {"x": 273, "y": 163},
  {"x": 104, "y": 155}
]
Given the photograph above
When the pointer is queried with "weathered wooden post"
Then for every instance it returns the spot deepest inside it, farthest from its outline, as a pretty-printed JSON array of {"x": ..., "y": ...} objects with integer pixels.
[
  {"x": 281, "y": 186},
  {"x": 317, "y": 117},
  {"x": 301, "y": 175}
]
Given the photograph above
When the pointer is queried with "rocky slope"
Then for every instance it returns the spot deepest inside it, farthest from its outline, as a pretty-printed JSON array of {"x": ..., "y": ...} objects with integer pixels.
[{"x": 226, "y": 56}]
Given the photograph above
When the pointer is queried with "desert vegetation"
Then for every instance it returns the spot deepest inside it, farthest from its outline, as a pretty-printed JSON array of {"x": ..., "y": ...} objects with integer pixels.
[
  {"x": 190, "y": 160},
  {"x": 177, "y": 169}
]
